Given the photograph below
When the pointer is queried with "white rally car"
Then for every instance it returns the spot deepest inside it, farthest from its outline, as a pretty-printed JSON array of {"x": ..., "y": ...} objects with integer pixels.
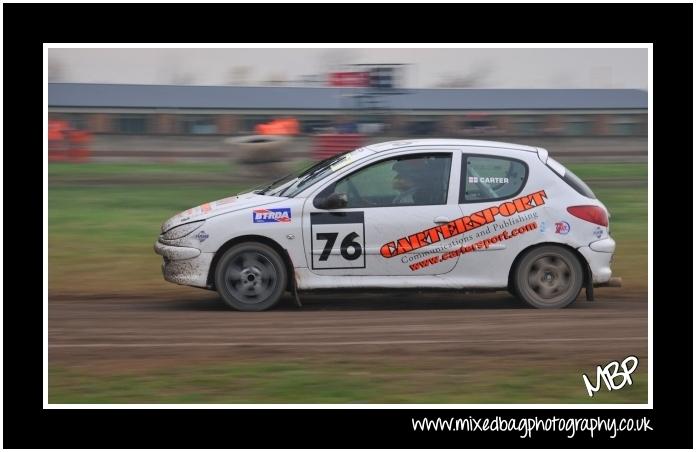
[{"x": 423, "y": 214}]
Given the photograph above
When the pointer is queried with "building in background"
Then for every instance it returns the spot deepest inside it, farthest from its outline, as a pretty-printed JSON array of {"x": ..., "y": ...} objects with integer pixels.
[
  {"x": 226, "y": 110},
  {"x": 205, "y": 114}
]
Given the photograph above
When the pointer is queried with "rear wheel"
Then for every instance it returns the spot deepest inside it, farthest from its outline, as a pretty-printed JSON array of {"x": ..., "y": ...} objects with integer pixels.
[
  {"x": 548, "y": 277},
  {"x": 251, "y": 277}
]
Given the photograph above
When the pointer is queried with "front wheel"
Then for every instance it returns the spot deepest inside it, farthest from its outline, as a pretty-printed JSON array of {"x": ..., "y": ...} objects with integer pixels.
[
  {"x": 548, "y": 277},
  {"x": 251, "y": 277}
]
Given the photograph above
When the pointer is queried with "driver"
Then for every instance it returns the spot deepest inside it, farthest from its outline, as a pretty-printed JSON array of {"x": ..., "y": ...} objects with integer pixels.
[{"x": 407, "y": 180}]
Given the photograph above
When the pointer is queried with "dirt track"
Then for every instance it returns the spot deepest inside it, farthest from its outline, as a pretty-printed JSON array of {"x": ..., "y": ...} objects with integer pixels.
[{"x": 492, "y": 330}]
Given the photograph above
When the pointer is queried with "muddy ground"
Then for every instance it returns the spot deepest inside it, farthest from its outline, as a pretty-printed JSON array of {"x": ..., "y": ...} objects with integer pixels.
[{"x": 104, "y": 333}]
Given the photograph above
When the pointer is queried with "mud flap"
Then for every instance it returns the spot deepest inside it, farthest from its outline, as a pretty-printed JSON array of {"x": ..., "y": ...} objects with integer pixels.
[
  {"x": 589, "y": 287},
  {"x": 297, "y": 295}
]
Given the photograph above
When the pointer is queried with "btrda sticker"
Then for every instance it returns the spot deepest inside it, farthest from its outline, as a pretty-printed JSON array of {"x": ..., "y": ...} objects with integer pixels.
[{"x": 282, "y": 215}]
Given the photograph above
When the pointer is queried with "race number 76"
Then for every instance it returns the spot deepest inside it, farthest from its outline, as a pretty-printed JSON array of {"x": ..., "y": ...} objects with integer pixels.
[
  {"x": 350, "y": 249},
  {"x": 337, "y": 240}
]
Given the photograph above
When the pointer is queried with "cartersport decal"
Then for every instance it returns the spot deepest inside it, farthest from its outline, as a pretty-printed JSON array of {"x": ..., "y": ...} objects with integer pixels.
[
  {"x": 462, "y": 225},
  {"x": 480, "y": 245},
  {"x": 282, "y": 215}
]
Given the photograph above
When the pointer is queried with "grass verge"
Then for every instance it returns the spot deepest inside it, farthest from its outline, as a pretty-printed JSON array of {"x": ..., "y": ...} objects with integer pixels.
[{"x": 314, "y": 382}]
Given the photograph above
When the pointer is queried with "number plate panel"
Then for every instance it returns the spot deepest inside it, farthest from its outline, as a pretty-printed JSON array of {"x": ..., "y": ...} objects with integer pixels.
[{"x": 345, "y": 232}]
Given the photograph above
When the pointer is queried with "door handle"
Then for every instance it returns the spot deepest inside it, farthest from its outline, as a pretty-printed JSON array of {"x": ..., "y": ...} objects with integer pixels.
[{"x": 441, "y": 220}]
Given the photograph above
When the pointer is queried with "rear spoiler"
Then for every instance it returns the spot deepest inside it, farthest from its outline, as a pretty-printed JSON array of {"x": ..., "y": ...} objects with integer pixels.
[{"x": 543, "y": 154}]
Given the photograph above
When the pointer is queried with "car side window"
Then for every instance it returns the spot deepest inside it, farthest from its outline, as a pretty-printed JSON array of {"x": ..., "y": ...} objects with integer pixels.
[
  {"x": 412, "y": 180},
  {"x": 490, "y": 178}
]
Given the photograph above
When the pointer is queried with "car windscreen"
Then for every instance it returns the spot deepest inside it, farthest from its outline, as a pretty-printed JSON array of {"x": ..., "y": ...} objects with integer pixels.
[{"x": 292, "y": 184}]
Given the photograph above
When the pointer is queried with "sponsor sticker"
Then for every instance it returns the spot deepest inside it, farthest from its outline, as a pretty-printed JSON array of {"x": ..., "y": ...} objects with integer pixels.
[
  {"x": 281, "y": 215},
  {"x": 482, "y": 244},
  {"x": 488, "y": 180},
  {"x": 222, "y": 202},
  {"x": 542, "y": 226},
  {"x": 562, "y": 227},
  {"x": 598, "y": 232},
  {"x": 201, "y": 236},
  {"x": 341, "y": 163},
  {"x": 205, "y": 208},
  {"x": 459, "y": 226}
]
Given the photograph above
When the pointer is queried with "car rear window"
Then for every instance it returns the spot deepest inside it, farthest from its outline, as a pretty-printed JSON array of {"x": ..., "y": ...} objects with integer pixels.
[
  {"x": 487, "y": 178},
  {"x": 574, "y": 181},
  {"x": 578, "y": 185}
]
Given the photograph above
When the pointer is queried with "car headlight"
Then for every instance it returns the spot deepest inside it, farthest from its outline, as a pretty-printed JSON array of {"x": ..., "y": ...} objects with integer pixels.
[{"x": 182, "y": 231}]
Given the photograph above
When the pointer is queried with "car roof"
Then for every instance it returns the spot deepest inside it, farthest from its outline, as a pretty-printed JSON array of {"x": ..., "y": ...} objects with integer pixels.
[{"x": 389, "y": 145}]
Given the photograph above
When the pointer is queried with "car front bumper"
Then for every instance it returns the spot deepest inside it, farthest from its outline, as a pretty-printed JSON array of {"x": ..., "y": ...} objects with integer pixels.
[
  {"x": 184, "y": 265},
  {"x": 599, "y": 256}
]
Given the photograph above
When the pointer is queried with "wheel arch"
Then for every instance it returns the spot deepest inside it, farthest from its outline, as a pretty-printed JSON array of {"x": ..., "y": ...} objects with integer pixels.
[
  {"x": 253, "y": 239},
  {"x": 586, "y": 272}
]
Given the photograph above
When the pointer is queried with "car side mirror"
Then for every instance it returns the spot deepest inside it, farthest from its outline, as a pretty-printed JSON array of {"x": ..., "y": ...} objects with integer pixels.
[{"x": 334, "y": 201}]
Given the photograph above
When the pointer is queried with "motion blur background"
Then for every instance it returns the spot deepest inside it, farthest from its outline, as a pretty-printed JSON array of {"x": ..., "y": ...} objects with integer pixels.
[
  {"x": 138, "y": 135},
  {"x": 158, "y": 105}
]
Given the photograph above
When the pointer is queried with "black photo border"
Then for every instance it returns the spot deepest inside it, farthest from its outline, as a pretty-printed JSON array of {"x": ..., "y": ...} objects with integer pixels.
[{"x": 27, "y": 26}]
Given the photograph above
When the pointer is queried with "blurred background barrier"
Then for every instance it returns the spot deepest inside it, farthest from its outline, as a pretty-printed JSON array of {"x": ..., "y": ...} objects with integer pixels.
[
  {"x": 286, "y": 126},
  {"x": 79, "y": 141},
  {"x": 66, "y": 144},
  {"x": 328, "y": 145},
  {"x": 260, "y": 156},
  {"x": 257, "y": 149},
  {"x": 154, "y": 123}
]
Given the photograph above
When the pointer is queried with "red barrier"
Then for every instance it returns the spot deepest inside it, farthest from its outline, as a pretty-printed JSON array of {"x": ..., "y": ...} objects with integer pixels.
[
  {"x": 57, "y": 151},
  {"x": 289, "y": 126},
  {"x": 66, "y": 143},
  {"x": 79, "y": 146},
  {"x": 57, "y": 142},
  {"x": 328, "y": 145}
]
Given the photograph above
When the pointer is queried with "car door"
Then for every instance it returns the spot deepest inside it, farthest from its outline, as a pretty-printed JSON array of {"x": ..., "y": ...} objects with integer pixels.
[
  {"x": 502, "y": 213},
  {"x": 393, "y": 203}
]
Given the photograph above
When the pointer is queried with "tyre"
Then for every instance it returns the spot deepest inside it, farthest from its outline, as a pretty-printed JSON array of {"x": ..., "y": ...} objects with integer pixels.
[
  {"x": 548, "y": 277},
  {"x": 251, "y": 277}
]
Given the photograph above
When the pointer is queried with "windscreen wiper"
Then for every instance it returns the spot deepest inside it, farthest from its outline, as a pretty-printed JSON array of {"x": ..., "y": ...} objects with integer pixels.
[{"x": 268, "y": 187}]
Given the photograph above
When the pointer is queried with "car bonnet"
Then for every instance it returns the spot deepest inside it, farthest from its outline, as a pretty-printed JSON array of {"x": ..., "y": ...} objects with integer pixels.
[{"x": 214, "y": 208}]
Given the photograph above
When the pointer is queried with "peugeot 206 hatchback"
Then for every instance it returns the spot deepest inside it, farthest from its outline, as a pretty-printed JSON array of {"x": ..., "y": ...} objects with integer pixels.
[{"x": 423, "y": 214}]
